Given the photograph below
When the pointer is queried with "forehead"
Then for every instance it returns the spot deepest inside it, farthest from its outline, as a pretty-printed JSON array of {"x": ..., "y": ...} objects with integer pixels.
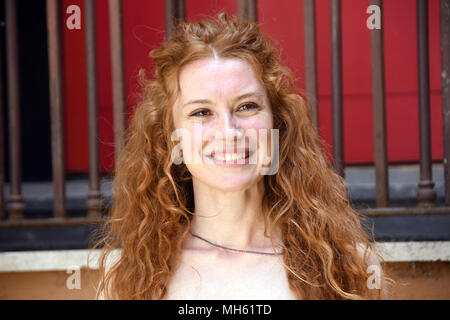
[{"x": 215, "y": 77}]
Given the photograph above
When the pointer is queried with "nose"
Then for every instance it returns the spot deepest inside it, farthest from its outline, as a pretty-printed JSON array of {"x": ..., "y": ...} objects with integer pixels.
[{"x": 228, "y": 126}]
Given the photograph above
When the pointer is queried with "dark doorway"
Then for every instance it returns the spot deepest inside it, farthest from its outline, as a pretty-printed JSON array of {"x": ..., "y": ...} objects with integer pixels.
[{"x": 34, "y": 92}]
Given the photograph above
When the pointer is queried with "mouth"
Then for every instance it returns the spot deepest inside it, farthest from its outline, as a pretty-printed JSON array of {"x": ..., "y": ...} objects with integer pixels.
[{"x": 231, "y": 158}]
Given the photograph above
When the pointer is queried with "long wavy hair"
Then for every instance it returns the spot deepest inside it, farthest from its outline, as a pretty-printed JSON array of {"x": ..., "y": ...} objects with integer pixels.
[{"x": 153, "y": 202}]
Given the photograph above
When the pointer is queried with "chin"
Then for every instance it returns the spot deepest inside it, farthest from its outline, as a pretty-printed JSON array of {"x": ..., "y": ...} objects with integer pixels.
[
  {"x": 232, "y": 182},
  {"x": 226, "y": 179}
]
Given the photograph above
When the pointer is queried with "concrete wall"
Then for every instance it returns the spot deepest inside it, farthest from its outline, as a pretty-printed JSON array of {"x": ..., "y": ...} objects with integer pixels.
[
  {"x": 414, "y": 280},
  {"x": 421, "y": 270},
  {"x": 46, "y": 285}
]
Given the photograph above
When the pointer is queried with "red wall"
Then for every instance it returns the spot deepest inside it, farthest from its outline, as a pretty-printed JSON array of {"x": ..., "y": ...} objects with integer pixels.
[{"x": 144, "y": 26}]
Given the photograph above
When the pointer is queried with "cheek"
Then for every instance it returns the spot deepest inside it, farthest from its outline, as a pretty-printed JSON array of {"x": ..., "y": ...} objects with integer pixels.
[
  {"x": 255, "y": 126},
  {"x": 256, "y": 123}
]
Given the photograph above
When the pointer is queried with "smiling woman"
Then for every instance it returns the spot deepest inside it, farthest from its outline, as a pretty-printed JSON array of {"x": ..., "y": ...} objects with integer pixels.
[
  {"x": 223, "y": 226},
  {"x": 225, "y": 86}
]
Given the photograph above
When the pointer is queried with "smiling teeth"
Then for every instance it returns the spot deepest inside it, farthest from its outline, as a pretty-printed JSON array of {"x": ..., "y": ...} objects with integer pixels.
[{"x": 230, "y": 156}]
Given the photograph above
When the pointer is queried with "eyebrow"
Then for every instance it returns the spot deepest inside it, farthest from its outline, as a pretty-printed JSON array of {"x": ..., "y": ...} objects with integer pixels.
[{"x": 205, "y": 101}]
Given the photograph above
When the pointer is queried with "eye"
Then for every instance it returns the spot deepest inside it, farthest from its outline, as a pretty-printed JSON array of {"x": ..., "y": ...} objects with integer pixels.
[
  {"x": 248, "y": 106},
  {"x": 200, "y": 113}
]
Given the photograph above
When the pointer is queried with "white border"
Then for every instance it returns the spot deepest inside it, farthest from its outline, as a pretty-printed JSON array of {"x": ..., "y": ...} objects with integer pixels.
[{"x": 62, "y": 260}]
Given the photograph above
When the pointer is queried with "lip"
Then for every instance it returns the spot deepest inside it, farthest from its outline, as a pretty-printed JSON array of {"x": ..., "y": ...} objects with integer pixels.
[
  {"x": 223, "y": 152},
  {"x": 233, "y": 163}
]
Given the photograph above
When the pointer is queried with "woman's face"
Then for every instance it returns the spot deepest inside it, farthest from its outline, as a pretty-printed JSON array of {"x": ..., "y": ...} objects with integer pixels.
[{"x": 223, "y": 117}]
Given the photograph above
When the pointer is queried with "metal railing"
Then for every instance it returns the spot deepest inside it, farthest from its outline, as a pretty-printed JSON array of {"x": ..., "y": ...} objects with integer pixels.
[{"x": 175, "y": 12}]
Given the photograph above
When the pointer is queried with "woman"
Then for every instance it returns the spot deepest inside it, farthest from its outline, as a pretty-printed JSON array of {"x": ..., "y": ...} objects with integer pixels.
[{"x": 198, "y": 212}]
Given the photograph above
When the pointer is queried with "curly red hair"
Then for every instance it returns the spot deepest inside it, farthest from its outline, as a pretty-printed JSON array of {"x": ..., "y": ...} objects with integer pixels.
[{"x": 306, "y": 198}]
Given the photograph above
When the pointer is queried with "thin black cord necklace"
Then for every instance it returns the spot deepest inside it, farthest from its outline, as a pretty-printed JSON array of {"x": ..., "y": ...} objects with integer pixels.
[{"x": 232, "y": 249}]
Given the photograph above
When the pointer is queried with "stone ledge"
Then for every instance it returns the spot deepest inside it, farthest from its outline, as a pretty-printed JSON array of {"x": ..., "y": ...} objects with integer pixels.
[
  {"x": 360, "y": 180},
  {"x": 62, "y": 260}
]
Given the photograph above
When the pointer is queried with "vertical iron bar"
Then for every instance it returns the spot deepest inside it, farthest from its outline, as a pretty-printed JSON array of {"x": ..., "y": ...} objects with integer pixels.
[
  {"x": 309, "y": 16},
  {"x": 445, "y": 74},
  {"x": 56, "y": 106},
  {"x": 248, "y": 9},
  {"x": 94, "y": 201},
  {"x": 426, "y": 194},
  {"x": 336, "y": 86},
  {"x": 379, "y": 113},
  {"x": 181, "y": 11},
  {"x": 16, "y": 203},
  {"x": 118, "y": 74},
  {"x": 2, "y": 145},
  {"x": 175, "y": 13}
]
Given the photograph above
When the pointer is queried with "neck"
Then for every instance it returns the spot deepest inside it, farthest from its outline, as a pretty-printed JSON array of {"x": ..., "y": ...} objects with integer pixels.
[{"x": 230, "y": 219}]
